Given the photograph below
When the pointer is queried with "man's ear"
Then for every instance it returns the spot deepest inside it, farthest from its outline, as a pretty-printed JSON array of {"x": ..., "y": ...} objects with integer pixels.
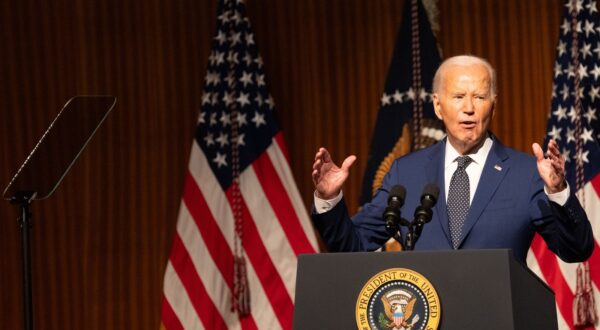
[
  {"x": 495, "y": 99},
  {"x": 436, "y": 106}
]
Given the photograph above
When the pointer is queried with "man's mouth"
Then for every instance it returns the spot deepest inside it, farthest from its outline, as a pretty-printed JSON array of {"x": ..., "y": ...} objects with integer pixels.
[{"x": 467, "y": 124}]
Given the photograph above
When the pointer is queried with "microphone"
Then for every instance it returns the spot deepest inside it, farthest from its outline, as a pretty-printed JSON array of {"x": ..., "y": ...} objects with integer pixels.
[
  {"x": 396, "y": 197},
  {"x": 392, "y": 211},
  {"x": 429, "y": 197},
  {"x": 423, "y": 214}
]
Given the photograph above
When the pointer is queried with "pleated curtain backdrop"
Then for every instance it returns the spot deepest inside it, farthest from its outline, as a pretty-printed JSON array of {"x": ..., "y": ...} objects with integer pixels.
[{"x": 100, "y": 244}]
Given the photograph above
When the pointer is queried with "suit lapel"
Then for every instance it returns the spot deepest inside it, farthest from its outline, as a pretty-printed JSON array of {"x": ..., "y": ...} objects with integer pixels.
[
  {"x": 494, "y": 171},
  {"x": 435, "y": 172}
]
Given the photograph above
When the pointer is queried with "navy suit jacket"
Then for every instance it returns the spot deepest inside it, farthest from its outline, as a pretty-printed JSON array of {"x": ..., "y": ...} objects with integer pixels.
[{"x": 508, "y": 207}]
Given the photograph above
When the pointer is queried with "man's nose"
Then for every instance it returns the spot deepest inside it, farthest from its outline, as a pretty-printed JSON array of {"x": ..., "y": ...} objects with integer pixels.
[{"x": 469, "y": 107}]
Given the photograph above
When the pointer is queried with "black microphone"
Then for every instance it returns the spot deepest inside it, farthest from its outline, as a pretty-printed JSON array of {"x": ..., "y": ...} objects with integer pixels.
[
  {"x": 392, "y": 211},
  {"x": 423, "y": 214},
  {"x": 429, "y": 197}
]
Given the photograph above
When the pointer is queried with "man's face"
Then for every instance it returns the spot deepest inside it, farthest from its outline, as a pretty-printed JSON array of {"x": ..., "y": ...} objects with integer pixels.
[{"x": 465, "y": 104}]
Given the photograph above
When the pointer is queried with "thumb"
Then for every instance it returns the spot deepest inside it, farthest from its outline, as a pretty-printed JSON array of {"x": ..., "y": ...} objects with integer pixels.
[
  {"x": 348, "y": 162},
  {"x": 537, "y": 151}
]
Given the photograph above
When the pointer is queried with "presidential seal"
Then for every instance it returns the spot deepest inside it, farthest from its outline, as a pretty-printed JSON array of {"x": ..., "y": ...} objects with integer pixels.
[{"x": 398, "y": 299}]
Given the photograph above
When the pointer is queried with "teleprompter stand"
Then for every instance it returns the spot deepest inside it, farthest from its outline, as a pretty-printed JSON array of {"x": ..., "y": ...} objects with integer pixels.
[{"x": 46, "y": 166}]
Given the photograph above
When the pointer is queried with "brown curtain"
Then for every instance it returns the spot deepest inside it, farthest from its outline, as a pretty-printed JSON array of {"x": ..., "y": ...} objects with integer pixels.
[{"x": 101, "y": 242}]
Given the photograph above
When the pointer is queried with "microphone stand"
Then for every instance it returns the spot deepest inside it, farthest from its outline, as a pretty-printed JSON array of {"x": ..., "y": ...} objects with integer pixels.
[
  {"x": 394, "y": 230},
  {"x": 407, "y": 243},
  {"x": 414, "y": 227},
  {"x": 410, "y": 240}
]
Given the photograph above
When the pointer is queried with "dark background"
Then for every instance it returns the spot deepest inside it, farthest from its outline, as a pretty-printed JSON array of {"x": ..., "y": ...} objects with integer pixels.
[{"x": 101, "y": 242}]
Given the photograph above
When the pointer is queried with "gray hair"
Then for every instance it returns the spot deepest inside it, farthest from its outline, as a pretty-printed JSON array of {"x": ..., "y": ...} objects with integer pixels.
[{"x": 463, "y": 60}]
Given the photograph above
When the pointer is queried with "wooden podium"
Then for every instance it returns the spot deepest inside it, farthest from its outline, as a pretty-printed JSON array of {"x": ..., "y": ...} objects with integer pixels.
[{"x": 477, "y": 289}]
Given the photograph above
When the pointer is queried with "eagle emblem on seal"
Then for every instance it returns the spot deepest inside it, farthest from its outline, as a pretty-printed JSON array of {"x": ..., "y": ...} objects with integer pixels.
[{"x": 398, "y": 306}]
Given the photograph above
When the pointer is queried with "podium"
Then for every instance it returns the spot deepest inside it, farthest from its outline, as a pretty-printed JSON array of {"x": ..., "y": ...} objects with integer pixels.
[{"x": 477, "y": 289}]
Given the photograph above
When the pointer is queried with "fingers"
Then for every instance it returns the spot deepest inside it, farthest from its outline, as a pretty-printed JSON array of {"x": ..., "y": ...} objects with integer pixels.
[
  {"x": 316, "y": 173},
  {"x": 315, "y": 177},
  {"x": 317, "y": 164},
  {"x": 553, "y": 149},
  {"x": 348, "y": 162},
  {"x": 556, "y": 158},
  {"x": 323, "y": 154},
  {"x": 551, "y": 166},
  {"x": 321, "y": 157},
  {"x": 553, "y": 153},
  {"x": 559, "y": 168},
  {"x": 537, "y": 151}
]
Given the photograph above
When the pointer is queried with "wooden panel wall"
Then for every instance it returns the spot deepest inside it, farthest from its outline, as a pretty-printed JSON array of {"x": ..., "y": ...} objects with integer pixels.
[{"x": 100, "y": 244}]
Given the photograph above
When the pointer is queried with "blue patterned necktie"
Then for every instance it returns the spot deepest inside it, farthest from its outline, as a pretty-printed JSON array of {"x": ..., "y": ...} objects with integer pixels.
[{"x": 458, "y": 203}]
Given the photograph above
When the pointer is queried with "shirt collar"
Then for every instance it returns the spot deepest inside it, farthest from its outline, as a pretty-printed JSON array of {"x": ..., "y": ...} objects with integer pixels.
[{"x": 478, "y": 157}]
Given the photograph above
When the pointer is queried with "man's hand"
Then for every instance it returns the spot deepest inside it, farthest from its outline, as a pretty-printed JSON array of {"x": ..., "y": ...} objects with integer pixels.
[
  {"x": 552, "y": 168},
  {"x": 328, "y": 177}
]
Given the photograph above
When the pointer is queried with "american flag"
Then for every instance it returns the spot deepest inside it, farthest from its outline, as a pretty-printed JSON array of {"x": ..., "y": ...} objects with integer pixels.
[
  {"x": 573, "y": 123},
  {"x": 241, "y": 222},
  {"x": 406, "y": 120}
]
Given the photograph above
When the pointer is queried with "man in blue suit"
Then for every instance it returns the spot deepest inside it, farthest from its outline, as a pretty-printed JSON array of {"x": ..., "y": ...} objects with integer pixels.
[{"x": 492, "y": 196}]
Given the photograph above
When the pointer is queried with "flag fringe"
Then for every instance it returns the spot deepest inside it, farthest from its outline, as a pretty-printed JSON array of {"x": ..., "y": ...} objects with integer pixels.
[
  {"x": 584, "y": 305},
  {"x": 241, "y": 295}
]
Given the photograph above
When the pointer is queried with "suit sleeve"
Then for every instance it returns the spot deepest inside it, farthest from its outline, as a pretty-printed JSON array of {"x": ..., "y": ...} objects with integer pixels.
[
  {"x": 365, "y": 231},
  {"x": 566, "y": 229}
]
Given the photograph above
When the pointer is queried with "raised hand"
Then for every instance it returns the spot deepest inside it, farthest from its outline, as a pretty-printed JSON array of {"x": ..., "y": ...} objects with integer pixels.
[
  {"x": 551, "y": 167},
  {"x": 328, "y": 177}
]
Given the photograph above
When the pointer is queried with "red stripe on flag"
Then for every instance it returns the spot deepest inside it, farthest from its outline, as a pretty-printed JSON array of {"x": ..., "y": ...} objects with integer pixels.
[
  {"x": 281, "y": 204},
  {"x": 596, "y": 184},
  {"x": 211, "y": 234},
  {"x": 554, "y": 277},
  {"x": 248, "y": 323},
  {"x": 184, "y": 267},
  {"x": 281, "y": 144},
  {"x": 168, "y": 318},
  {"x": 594, "y": 263},
  {"x": 266, "y": 272}
]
